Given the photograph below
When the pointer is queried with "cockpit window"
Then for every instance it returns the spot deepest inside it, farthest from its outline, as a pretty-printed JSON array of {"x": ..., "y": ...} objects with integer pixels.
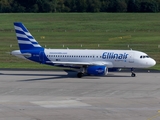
[{"x": 144, "y": 56}]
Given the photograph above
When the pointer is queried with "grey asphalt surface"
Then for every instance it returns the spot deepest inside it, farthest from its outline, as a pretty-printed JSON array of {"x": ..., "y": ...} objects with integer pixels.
[{"x": 51, "y": 95}]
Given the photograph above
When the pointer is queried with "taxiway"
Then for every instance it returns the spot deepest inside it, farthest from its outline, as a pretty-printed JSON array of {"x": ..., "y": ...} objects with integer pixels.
[{"x": 51, "y": 95}]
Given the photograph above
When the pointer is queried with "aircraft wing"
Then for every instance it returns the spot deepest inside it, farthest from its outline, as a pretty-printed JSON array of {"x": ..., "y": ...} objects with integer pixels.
[{"x": 108, "y": 64}]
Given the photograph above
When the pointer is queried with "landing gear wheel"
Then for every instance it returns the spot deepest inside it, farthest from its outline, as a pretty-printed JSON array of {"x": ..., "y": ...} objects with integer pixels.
[
  {"x": 133, "y": 75},
  {"x": 79, "y": 75}
]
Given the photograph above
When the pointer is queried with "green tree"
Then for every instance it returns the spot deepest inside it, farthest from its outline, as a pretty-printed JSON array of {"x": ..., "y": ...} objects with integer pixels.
[
  {"x": 60, "y": 6},
  {"x": 5, "y": 6},
  {"x": 17, "y": 8},
  {"x": 117, "y": 6},
  {"x": 158, "y": 4},
  {"x": 121, "y": 6},
  {"x": 93, "y": 5},
  {"x": 149, "y": 6},
  {"x": 104, "y": 5},
  {"x": 81, "y": 5},
  {"x": 71, "y": 4},
  {"x": 131, "y": 6}
]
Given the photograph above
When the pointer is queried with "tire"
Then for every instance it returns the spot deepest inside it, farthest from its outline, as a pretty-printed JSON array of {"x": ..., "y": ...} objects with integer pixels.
[
  {"x": 133, "y": 75},
  {"x": 79, "y": 75}
]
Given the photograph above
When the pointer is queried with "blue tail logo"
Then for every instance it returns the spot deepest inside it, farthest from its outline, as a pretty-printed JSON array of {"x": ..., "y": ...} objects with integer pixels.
[{"x": 25, "y": 40}]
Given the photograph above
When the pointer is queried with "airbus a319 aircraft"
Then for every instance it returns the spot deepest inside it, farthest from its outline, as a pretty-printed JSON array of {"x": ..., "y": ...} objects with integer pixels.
[{"x": 89, "y": 62}]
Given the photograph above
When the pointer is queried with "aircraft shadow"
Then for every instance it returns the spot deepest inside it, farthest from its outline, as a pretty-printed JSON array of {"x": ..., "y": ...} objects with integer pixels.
[
  {"x": 48, "y": 76},
  {"x": 70, "y": 74},
  {"x": 113, "y": 75}
]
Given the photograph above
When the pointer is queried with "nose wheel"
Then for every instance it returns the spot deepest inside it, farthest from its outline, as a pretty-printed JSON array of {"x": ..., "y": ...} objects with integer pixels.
[{"x": 133, "y": 74}]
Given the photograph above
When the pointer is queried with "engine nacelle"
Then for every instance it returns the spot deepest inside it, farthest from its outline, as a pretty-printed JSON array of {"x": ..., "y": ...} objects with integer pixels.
[{"x": 97, "y": 70}]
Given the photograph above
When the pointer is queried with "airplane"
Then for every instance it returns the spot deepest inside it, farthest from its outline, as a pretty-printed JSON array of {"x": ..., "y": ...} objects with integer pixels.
[{"x": 87, "y": 61}]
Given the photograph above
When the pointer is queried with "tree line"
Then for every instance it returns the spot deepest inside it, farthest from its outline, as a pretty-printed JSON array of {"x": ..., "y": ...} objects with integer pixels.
[{"x": 39, "y": 6}]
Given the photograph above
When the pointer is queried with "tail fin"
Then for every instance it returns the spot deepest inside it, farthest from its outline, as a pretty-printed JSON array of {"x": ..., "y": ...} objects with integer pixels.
[{"x": 25, "y": 40}]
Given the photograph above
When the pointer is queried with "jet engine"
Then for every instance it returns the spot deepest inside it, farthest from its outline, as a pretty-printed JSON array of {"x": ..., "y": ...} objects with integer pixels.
[{"x": 97, "y": 70}]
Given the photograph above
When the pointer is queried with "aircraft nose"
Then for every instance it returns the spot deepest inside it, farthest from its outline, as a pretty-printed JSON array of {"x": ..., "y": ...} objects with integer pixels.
[{"x": 152, "y": 62}]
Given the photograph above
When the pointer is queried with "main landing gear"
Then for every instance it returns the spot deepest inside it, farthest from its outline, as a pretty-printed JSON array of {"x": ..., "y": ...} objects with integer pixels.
[
  {"x": 82, "y": 72},
  {"x": 133, "y": 74}
]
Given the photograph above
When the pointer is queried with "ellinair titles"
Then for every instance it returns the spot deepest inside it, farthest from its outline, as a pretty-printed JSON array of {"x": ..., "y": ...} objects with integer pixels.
[
  {"x": 112, "y": 55},
  {"x": 88, "y": 62}
]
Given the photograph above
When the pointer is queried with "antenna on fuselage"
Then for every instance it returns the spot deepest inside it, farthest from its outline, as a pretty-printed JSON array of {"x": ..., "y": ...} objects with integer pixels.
[{"x": 129, "y": 47}]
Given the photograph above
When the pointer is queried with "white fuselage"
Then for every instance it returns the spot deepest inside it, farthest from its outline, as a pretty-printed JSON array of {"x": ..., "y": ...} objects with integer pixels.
[{"x": 110, "y": 58}]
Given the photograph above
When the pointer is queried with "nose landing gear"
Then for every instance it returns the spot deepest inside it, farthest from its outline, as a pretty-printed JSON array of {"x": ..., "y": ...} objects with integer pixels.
[{"x": 133, "y": 74}]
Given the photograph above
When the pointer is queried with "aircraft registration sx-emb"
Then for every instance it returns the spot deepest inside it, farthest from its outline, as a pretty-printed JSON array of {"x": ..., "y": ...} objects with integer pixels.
[{"x": 89, "y": 62}]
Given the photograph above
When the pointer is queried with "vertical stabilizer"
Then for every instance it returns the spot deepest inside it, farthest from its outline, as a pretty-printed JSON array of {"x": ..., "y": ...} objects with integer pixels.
[{"x": 25, "y": 40}]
